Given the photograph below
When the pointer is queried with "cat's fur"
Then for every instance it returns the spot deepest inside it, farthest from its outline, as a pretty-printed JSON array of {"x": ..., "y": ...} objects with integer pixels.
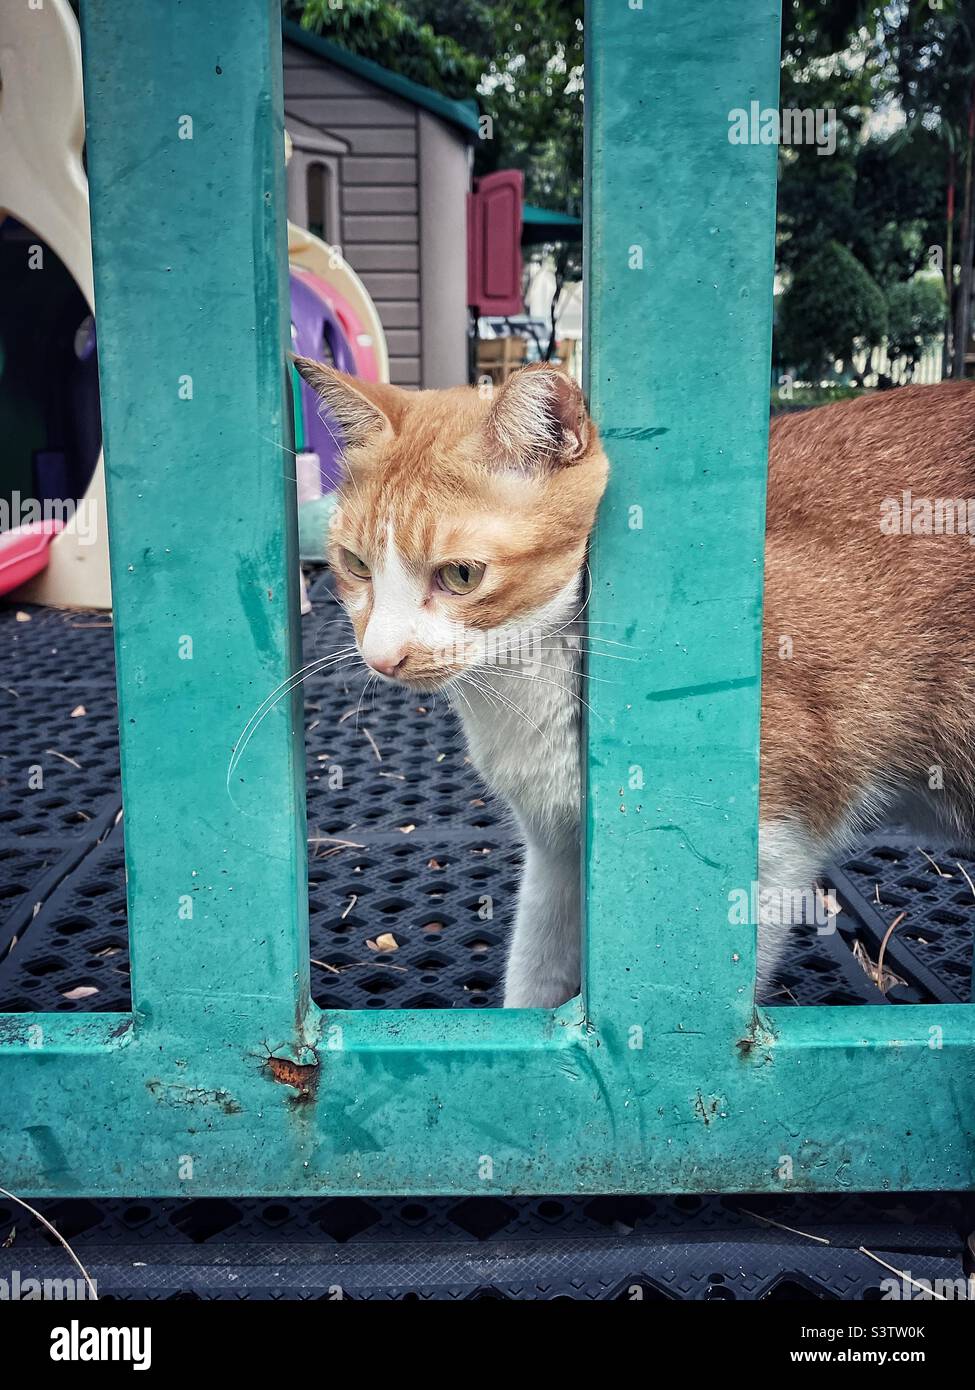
[
  {"x": 868, "y": 706},
  {"x": 869, "y": 668}
]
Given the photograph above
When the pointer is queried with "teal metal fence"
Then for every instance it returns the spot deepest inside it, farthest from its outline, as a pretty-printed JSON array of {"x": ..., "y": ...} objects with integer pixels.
[{"x": 224, "y": 1078}]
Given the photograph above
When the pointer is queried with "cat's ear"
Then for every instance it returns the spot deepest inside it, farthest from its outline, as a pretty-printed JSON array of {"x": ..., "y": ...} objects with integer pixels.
[
  {"x": 538, "y": 419},
  {"x": 365, "y": 409}
]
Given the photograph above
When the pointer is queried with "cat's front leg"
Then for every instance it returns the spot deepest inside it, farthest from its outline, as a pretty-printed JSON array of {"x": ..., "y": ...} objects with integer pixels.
[{"x": 543, "y": 962}]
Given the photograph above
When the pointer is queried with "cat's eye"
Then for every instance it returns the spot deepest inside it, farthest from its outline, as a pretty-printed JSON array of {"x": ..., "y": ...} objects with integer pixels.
[
  {"x": 355, "y": 565},
  {"x": 460, "y": 576}
]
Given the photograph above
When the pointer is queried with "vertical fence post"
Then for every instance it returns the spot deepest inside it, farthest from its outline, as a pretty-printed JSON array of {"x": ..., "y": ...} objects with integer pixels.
[
  {"x": 679, "y": 273},
  {"x": 187, "y": 195}
]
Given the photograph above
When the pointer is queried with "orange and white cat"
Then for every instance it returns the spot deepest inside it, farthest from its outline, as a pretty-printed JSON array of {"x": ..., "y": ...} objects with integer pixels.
[{"x": 458, "y": 551}]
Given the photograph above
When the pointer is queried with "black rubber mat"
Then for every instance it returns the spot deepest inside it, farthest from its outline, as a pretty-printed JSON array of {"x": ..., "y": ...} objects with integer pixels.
[
  {"x": 409, "y": 852},
  {"x": 413, "y": 870},
  {"x": 600, "y": 1248}
]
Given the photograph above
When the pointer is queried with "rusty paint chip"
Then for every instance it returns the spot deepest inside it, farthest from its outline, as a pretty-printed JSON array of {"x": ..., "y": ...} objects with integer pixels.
[{"x": 302, "y": 1076}]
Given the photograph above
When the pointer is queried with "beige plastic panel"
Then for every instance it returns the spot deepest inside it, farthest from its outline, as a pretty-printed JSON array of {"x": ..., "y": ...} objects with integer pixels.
[{"x": 43, "y": 185}]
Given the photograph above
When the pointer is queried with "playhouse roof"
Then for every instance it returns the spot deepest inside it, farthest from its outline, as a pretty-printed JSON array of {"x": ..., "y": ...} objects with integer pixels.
[
  {"x": 463, "y": 114},
  {"x": 543, "y": 224}
]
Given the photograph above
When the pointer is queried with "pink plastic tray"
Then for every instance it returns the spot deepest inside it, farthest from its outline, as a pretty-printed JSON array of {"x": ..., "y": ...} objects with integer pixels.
[{"x": 23, "y": 552}]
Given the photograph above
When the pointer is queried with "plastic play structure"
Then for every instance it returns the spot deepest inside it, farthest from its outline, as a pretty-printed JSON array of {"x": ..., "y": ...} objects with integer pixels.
[
  {"x": 662, "y": 1076},
  {"x": 44, "y": 201},
  {"x": 43, "y": 189},
  {"x": 349, "y": 298}
]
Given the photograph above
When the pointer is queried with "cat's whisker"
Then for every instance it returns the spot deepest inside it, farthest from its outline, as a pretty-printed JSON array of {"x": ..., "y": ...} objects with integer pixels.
[
  {"x": 588, "y": 636},
  {"x": 552, "y": 666},
  {"x": 595, "y": 651},
  {"x": 362, "y": 692},
  {"x": 278, "y": 445},
  {"x": 580, "y": 674},
  {"x": 609, "y": 641},
  {"x": 457, "y": 686},
  {"x": 509, "y": 704},
  {"x": 517, "y": 675},
  {"x": 277, "y": 694},
  {"x": 331, "y": 597},
  {"x": 327, "y": 623},
  {"x": 284, "y": 449}
]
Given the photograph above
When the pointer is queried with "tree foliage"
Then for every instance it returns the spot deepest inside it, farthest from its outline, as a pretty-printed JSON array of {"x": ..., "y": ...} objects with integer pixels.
[
  {"x": 915, "y": 317},
  {"x": 522, "y": 59},
  {"x": 899, "y": 74},
  {"x": 832, "y": 307}
]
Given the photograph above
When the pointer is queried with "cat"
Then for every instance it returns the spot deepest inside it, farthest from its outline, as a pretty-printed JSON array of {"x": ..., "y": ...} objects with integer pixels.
[
  {"x": 462, "y": 527},
  {"x": 458, "y": 550}
]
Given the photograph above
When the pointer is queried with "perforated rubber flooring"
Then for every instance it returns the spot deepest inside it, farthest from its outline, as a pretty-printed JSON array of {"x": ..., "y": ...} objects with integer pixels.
[
  {"x": 412, "y": 881},
  {"x": 413, "y": 871}
]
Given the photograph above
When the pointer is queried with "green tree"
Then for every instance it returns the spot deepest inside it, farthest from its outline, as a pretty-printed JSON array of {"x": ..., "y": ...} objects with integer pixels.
[
  {"x": 400, "y": 37},
  {"x": 522, "y": 59},
  {"x": 915, "y": 317},
  {"x": 832, "y": 307}
]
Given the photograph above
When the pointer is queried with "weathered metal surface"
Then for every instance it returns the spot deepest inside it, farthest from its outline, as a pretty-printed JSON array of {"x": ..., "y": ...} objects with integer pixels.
[{"x": 223, "y": 1079}]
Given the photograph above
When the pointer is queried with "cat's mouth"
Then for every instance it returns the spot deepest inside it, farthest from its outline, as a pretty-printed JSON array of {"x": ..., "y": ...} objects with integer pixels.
[{"x": 419, "y": 682}]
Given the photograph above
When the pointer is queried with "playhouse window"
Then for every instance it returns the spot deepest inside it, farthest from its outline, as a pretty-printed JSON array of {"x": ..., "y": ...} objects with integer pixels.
[{"x": 321, "y": 193}]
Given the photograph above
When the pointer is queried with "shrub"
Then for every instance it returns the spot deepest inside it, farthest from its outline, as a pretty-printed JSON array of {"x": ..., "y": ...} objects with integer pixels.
[
  {"x": 915, "y": 317},
  {"x": 832, "y": 307}
]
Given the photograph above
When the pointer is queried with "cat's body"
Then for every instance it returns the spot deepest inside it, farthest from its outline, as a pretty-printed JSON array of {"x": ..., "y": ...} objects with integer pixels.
[
  {"x": 868, "y": 669},
  {"x": 868, "y": 662}
]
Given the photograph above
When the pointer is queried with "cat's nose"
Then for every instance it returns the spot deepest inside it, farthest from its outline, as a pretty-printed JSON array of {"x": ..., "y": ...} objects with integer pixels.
[{"x": 386, "y": 665}]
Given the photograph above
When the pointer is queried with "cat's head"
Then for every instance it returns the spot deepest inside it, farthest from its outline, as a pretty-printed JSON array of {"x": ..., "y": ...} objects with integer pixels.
[{"x": 462, "y": 519}]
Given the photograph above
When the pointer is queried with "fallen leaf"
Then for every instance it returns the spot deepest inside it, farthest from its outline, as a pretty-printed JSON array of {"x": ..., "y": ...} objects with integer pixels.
[
  {"x": 387, "y": 942},
  {"x": 79, "y": 992},
  {"x": 885, "y": 979},
  {"x": 22, "y": 617},
  {"x": 405, "y": 829},
  {"x": 55, "y": 754},
  {"x": 433, "y": 864},
  {"x": 78, "y": 711},
  {"x": 433, "y": 928}
]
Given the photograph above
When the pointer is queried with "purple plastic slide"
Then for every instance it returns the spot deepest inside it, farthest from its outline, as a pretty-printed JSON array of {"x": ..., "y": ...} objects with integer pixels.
[{"x": 313, "y": 323}]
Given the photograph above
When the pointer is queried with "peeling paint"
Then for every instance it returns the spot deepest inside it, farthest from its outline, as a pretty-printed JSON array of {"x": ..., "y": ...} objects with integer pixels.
[
  {"x": 757, "y": 1045},
  {"x": 706, "y": 1109},
  {"x": 172, "y": 1093}
]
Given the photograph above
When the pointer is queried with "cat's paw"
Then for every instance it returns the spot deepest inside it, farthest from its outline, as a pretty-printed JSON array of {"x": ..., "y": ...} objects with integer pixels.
[{"x": 538, "y": 994}]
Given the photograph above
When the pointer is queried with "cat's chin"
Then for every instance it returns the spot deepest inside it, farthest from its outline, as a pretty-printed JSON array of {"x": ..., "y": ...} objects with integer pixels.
[{"x": 432, "y": 685}]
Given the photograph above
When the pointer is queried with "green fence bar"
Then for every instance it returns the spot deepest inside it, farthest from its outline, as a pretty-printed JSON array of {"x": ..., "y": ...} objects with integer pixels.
[{"x": 224, "y": 1078}]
